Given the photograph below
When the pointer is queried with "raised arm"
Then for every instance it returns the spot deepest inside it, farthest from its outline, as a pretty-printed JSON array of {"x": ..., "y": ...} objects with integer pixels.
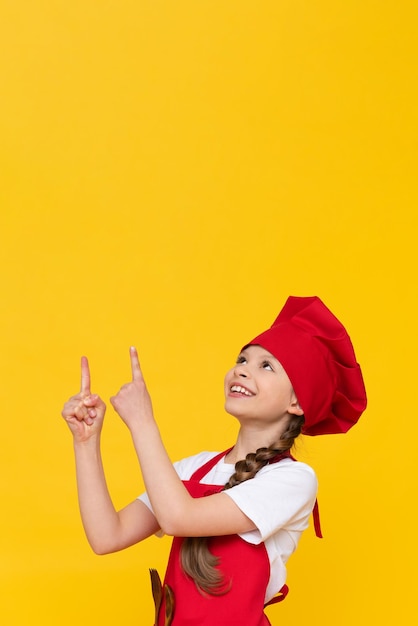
[
  {"x": 177, "y": 512},
  {"x": 107, "y": 530}
]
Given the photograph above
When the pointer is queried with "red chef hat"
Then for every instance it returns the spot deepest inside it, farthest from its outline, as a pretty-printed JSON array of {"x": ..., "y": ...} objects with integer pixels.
[{"x": 316, "y": 352}]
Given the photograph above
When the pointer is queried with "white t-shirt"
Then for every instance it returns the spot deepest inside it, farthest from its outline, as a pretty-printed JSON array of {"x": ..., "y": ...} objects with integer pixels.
[{"x": 279, "y": 500}]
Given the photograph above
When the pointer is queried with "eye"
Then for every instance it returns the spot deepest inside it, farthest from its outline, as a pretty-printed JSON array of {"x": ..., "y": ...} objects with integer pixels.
[
  {"x": 267, "y": 366},
  {"x": 241, "y": 359}
]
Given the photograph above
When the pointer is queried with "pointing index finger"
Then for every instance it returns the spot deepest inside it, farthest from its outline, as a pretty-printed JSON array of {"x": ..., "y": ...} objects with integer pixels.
[
  {"x": 85, "y": 376},
  {"x": 136, "y": 370}
]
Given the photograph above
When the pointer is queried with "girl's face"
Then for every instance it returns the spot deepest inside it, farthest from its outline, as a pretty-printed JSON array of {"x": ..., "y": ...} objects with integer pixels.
[{"x": 258, "y": 388}]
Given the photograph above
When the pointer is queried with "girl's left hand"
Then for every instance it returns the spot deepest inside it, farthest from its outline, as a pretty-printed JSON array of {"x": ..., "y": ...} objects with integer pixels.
[{"x": 133, "y": 402}]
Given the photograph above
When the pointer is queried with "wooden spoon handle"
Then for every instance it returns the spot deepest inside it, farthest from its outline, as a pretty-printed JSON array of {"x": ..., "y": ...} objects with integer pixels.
[
  {"x": 169, "y": 605},
  {"x": 157, "y": 592}
]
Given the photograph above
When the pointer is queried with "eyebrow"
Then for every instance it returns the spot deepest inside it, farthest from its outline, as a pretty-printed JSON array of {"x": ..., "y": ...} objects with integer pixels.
[
  {"x": 268, "y": 357},
  {"x": 264, "y": 355}
]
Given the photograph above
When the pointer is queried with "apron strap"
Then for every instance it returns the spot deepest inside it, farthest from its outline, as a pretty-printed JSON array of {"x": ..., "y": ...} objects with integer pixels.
[
  {"x": 317, "y": 521},
  {"x": 315, "y": 514},
  {"x": 279, "y": 597},
  {"x": 204, "y": 469}
]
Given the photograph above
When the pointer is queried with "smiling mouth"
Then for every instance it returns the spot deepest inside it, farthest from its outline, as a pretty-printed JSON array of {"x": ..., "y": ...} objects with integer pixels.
[{"x": 241, "y": 390}]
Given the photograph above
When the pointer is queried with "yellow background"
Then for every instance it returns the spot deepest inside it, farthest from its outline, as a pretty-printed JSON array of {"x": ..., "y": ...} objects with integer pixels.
[{"x": 170, "y": 172}]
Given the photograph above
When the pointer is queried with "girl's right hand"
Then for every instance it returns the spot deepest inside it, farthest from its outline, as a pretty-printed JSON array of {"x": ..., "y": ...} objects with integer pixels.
[{"x": 84, "y": 412}]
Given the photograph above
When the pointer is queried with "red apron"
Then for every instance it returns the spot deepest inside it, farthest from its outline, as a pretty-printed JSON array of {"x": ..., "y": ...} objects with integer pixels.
[{"x": 246, "y": 565}]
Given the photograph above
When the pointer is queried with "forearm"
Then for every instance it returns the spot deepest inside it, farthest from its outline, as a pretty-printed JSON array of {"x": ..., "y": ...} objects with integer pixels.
[
  {"x": 170, "y": 500},
  {"x": 100, "y": 519}
]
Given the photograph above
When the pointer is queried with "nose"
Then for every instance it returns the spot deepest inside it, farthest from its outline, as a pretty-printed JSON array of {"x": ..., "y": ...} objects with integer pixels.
[{"x": 240, "y": 370}]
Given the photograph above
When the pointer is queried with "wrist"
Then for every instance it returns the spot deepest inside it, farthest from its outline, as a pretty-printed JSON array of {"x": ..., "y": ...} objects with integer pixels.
[
  {"x": 92, "y": 443},
  {"x": 140, "y": 423}
]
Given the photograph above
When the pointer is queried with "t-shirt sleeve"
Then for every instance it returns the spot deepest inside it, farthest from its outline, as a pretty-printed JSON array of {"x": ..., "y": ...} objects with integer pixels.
[{"x": 280, "y": 496}]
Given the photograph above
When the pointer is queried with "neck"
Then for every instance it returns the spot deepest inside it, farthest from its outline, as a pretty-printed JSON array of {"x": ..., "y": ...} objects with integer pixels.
[{"x": 249, "y": 440}]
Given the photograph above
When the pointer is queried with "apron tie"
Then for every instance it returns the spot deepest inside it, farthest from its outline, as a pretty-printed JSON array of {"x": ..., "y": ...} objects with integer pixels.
[{"x": 317, "y": 521}]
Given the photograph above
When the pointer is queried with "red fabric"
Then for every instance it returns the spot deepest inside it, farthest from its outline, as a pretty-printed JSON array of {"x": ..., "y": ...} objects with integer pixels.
[
  {"x": 245, "y": 565},
  {"x": 316, "y": 352},
  {"x": 317, "y": 520}
]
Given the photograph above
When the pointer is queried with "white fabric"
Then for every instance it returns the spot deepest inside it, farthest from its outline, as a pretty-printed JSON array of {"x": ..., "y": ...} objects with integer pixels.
[{"x": 279, "y": 500}]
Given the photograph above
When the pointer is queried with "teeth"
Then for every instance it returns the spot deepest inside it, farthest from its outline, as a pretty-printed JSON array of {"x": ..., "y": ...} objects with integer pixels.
[{"x": 240, "y": 389}]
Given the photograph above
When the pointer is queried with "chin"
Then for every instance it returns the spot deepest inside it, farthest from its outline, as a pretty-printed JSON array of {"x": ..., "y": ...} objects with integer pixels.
[
  {"x": 234, "y": 411},
  {"x": 230, "y": 409}
]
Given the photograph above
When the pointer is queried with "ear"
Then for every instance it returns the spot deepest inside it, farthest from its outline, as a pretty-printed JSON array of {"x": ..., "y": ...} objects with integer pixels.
[{"x": 294, "y": 406}]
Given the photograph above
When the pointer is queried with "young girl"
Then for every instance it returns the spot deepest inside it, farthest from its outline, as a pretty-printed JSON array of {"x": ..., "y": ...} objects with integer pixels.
[{"x": 237, "y": 516}]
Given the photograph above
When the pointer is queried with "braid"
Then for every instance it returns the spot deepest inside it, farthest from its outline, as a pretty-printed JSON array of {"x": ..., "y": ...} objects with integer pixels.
[
  {"x": 196, "y": 559},
  {"x": 254, "y": 462}
]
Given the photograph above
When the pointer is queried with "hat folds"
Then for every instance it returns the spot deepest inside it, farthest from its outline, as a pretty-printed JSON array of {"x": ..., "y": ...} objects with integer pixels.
[{"x": 317, "y": 354}]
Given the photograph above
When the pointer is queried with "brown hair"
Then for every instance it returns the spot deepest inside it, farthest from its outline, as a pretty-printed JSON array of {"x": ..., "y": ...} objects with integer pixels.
[{"x": 196, "y": 559}]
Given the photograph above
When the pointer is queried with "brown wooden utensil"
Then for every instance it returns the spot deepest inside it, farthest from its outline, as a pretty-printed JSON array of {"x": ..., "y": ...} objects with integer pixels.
[
  {"x": 157, "y": 592},
  {"x": 169, "y": 605}
]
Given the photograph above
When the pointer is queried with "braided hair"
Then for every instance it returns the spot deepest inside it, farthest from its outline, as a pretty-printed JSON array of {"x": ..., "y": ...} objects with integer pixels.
[{"x": 196, "y": 559}]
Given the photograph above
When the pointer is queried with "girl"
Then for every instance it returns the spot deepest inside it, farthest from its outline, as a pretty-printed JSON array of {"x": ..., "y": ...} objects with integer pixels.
[{"x": 237, "y": 516}]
